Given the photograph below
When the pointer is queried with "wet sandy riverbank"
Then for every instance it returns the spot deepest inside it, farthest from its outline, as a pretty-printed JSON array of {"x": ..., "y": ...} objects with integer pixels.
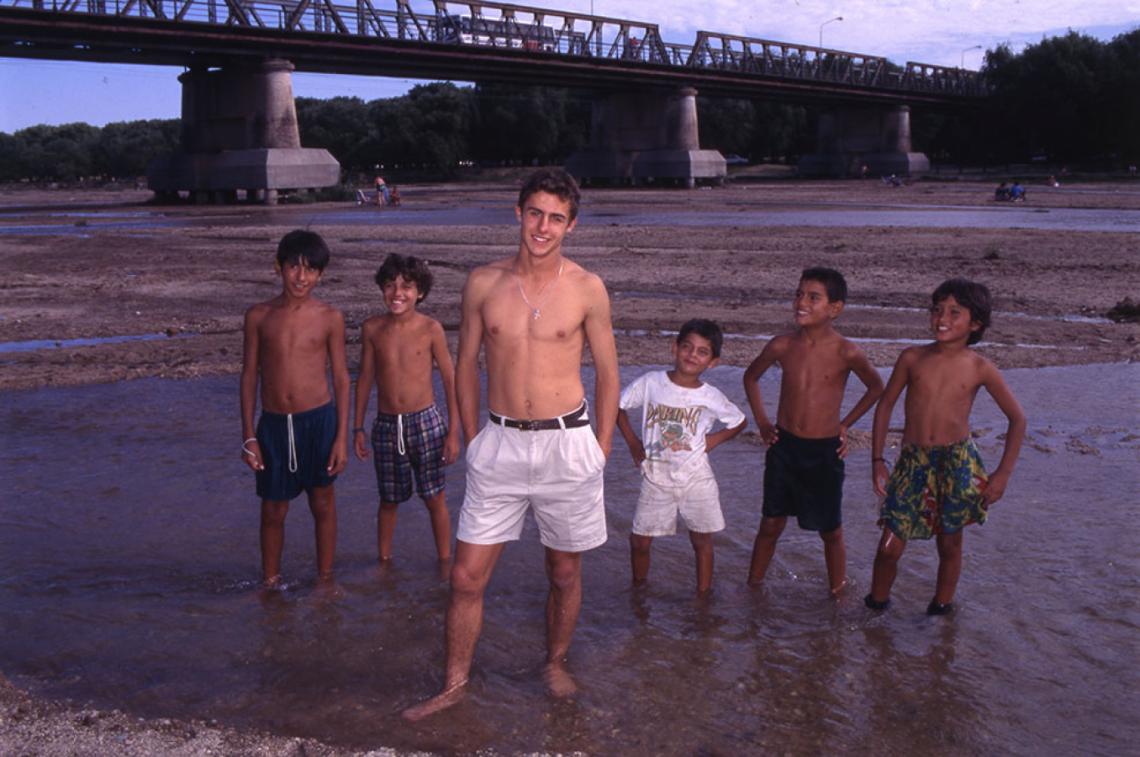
[{"x": 178, "y": 290}]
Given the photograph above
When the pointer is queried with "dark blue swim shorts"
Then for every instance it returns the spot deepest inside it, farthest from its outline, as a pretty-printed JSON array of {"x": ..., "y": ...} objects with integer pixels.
[{"x": 295, "y": 449}]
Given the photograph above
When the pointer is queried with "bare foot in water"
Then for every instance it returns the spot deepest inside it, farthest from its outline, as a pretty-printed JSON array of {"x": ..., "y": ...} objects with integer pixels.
[
  {"x": 451, "y": 695},
  {"x": 837, "y": 591},
  {"x": 559, "y": 682}
]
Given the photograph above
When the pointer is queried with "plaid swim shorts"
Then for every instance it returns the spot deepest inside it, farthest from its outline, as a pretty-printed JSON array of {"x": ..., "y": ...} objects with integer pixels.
[{"x": 407, "y": 444}]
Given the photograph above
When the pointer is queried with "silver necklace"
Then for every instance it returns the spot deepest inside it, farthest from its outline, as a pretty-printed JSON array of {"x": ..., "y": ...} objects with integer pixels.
[{"x": 536, "y": 310}]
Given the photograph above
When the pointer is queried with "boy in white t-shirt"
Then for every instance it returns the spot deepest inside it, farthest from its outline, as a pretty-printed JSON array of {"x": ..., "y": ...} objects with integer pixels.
[{"x": 678, "y": 410}]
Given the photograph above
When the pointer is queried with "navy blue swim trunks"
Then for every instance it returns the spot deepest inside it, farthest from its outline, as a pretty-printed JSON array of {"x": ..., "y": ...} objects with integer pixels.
[
  {"x": 804, "y": 478},
  {"x": 406, "y": 444},
  {"x": 295, "y": 449}
]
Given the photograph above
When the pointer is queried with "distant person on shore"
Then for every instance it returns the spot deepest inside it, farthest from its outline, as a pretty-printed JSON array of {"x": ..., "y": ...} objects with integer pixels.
[
  {"x": 532, "y": 314},
  {"x": 382, "y": 195},
  {"x": 804, "y": 467},
  {"x": 1016, "y": 192},
  {"x": 678, "y": 411},
  {"x": 291, "y": 344},
  {"x": 410, "y": 439},
  {"x": 939, "y": 485},
  {"x": 1001, "y": 194}
]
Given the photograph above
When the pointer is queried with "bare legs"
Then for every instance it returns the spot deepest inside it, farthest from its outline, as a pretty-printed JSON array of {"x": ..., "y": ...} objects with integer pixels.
[
  {"x": 886, "y": 568},
  {"x": 639, "y": 550},
  {"x": 385, "y": 527},
  {"x": 703, "y": 549},
  {"x": 440, "y": 526},
  {"x": 835, "y": 555},
  {"x": 563, "y": 603},
  {"x": 764, "y": 547},
  {"x": 272, "y": 539},
  {"x": 639, "y": 558},
  {"x": 949, "y": 567},
  {"x": 470, "y": 575},
  {"x": 322, "y": 504}
]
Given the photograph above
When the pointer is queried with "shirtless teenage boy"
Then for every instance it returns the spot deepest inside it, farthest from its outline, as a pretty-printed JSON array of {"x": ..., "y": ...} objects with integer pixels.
[
  {"x": 398, "y": 349},
  {"x": 532, "y": 313},
  {"x": 939, "y": 484},
  {"x": 301, "y": 443},
  {"x": 803, "y": 468}
]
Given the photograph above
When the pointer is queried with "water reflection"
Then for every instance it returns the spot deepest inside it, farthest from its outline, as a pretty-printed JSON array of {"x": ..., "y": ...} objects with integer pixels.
[{"x": 128, "y": 566}]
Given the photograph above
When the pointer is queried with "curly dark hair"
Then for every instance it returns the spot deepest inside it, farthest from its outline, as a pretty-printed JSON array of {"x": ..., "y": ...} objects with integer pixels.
[{"x": 408, "y": 267}]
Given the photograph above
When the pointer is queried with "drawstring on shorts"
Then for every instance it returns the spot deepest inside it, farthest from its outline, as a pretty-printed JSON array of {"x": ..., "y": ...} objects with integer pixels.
[
  {"x": 400, "y": 434},
  {"x": 292, "y": 444}
]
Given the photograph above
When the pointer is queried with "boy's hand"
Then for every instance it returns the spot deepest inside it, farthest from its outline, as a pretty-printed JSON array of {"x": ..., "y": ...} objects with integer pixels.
[
  {"x": 251, "y": 455},
  {"x": 360, "y": 445},
  {"x": 842, "y": 451},
  {"x": 769, "y": 433},
  {"x": 879, "y": 476},
  {"x": 637, "y": 452},
  {"x": 994, "y": 488},
  {"x": 338, "y": 459},
  {"x": 451, "y": 448}
]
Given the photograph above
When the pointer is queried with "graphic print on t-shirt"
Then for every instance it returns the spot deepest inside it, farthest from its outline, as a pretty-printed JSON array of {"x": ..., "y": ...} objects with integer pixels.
[{"x": 671, "y": 428}]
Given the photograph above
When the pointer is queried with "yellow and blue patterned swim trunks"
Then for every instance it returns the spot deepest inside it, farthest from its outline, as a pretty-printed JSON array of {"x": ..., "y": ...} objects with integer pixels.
[{"x": 934, "y": 490}]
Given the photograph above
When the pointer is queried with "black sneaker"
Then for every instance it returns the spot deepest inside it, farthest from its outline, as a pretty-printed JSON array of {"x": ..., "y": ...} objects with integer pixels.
[
  {"x": 874, "y": 604},
  {"x": 936, "y": 609}
]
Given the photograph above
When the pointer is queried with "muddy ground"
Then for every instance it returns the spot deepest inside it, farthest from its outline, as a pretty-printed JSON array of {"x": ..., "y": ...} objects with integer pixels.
[{"x": 182, "y": 276}]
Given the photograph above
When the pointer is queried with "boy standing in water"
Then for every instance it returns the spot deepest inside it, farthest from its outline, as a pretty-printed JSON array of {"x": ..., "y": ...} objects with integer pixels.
[
  {"x": 939, "y": 484},
  {"x": 290, "y": 344},
  {"x": 397, "y": 349},
  {"x": 803, "y": 468},
  {"x": 677, "y": 412}
]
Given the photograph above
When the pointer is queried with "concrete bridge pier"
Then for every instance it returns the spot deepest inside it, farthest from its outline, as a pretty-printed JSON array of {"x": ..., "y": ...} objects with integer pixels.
[
  {"x": 852, "y": 137},
  {"x": 636, "y": 137},
  {"x": 239, "y": 132}
]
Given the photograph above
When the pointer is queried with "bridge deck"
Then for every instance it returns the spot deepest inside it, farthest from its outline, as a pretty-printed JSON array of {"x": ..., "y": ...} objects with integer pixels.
[{"x": 466, "y": 41}]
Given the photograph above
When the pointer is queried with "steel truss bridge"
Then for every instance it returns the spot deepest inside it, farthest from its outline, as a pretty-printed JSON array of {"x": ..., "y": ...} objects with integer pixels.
[{"x": 466, "y": 41}]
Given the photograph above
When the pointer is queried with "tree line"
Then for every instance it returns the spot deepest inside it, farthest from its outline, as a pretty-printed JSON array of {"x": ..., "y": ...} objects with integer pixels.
[{"x": 1071, "y": 99}]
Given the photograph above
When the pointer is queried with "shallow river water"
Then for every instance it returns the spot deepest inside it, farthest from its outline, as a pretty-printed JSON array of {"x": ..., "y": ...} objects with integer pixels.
[{"x": 129, "y": 565}]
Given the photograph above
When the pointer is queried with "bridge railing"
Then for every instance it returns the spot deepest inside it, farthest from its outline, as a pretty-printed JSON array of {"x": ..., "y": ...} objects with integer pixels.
[{"x": 538, "y": 31}]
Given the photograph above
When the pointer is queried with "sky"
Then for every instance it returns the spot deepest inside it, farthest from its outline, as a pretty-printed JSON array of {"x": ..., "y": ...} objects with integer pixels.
[{"x": 941, "y": 32}]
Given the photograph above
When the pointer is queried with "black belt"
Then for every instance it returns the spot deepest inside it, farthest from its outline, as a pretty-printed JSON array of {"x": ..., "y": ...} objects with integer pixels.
[{"x": 574, "y": 419}]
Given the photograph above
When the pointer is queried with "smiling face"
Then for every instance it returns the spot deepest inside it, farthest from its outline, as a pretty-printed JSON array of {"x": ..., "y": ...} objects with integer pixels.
[
  {"x": 811, "y": 306},
  {"x": 298, "y": 278},
  {"x": 545, "y": 221},
  {"x": 951, "y": 321},
  {"x": 400, "y": 295},
  {"x": 692, "y": 356}
]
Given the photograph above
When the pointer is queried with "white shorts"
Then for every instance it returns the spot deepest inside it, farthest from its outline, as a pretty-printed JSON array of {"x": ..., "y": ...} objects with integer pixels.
[
  {"x": 697, "y": 502},
  {"x": 558, "y": 473}
]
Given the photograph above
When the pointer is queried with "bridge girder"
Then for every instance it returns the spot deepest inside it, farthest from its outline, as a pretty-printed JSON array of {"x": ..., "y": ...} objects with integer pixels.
[{"x": 622, "y": 62}]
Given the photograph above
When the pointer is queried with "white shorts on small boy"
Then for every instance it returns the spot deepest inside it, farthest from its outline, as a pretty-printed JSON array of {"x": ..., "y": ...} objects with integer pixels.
[
  {"x": 557, "y": 473},
  {"x": 697, "y": 502}
]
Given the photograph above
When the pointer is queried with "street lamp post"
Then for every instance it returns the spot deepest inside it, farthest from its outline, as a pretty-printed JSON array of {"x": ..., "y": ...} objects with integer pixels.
[
  {"x": 825, "y": 23},
  {"x": 962, "y": 63}
]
